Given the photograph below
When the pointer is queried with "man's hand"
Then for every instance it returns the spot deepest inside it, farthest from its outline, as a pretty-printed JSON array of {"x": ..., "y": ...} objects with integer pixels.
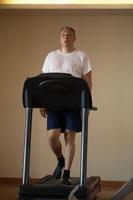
[
  {"x": 88, "y": 78},
  {"x": 43, "y": 112}
]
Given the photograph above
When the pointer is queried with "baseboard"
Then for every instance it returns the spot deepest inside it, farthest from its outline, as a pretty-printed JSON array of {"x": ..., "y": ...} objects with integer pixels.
[
  {"x": 15, "y": 180},
  {"x": 112, "y": 184}
]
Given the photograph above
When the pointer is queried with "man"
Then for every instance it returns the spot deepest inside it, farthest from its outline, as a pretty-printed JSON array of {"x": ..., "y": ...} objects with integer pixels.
[{"x": 75, "y": 62}]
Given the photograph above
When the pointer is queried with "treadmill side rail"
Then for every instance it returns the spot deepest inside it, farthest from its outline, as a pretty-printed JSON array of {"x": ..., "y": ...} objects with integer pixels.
[{"x": 27, "y": 145}]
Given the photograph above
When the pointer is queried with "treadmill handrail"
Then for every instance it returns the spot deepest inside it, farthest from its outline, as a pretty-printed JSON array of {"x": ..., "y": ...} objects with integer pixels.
[{"x": 61, "y": 87}]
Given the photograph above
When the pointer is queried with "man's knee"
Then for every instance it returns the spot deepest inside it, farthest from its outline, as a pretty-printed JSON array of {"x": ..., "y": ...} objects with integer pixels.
[
  {"x": 53, "y": 135},
  {"x": 69, "y": 137}
]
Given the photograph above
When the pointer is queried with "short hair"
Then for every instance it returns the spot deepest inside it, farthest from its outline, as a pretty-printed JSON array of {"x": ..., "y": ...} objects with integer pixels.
[{"x": 70, "y": 28}]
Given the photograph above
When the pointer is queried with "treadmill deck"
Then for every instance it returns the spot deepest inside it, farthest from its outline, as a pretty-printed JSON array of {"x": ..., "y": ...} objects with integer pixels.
[{"x": 50, "y": 188}]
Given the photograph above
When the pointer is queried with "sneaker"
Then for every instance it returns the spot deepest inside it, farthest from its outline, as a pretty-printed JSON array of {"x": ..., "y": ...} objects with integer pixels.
[
  {"x": 66, "y": 178},
  {"x": 59, "y": 168}
]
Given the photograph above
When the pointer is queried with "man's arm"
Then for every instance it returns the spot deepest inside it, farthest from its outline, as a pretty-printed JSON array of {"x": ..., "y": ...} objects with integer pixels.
[{"x": 88, "y": 78}]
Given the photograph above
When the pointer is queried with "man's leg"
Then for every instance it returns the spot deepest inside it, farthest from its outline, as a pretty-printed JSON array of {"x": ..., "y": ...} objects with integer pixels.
[
  {"x": 69, "y": 137},
  {"x": 55, "y": 144}
]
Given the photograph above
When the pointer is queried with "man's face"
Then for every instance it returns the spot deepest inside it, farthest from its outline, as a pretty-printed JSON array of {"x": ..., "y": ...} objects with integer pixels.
[{"x": 67, "y": 37}]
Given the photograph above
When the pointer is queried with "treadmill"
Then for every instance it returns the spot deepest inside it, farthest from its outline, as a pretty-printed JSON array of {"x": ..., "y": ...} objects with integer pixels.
[
  {"x": 57, "y": 91},
  {"x": 123, "y": 192}
]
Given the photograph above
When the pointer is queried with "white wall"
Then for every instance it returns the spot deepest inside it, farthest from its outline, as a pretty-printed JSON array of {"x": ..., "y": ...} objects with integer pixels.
[{"x": 25, "y": 39}]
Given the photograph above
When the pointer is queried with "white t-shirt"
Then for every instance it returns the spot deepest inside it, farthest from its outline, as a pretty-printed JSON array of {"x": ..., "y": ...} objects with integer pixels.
[{"x": 75, "y": 63}]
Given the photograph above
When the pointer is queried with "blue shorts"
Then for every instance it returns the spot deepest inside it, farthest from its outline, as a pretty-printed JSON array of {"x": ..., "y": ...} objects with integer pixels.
[{"x": 64, "y": 119}]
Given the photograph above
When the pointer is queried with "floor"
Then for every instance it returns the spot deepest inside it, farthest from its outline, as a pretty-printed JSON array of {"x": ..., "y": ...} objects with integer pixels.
[{"x": 8, "y": 191}]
